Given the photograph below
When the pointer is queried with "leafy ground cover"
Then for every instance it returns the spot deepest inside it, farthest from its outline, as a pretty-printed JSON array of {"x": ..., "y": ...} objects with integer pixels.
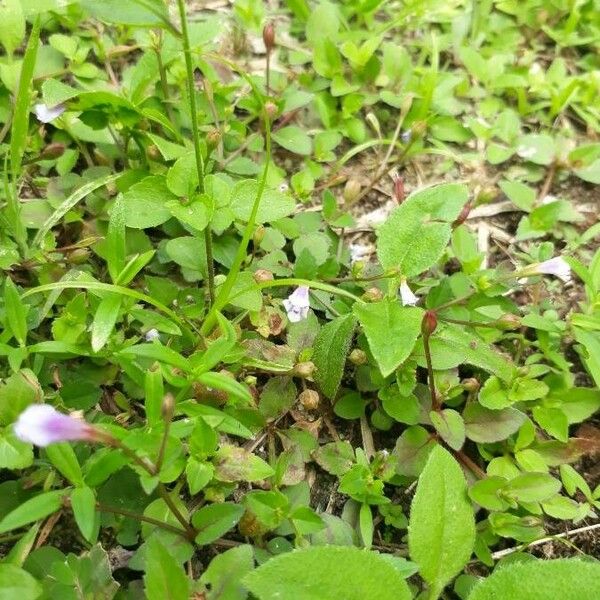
[{"x": 300, "y": 300}]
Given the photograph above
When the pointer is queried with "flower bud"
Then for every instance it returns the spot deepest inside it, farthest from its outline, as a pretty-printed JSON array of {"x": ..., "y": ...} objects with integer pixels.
[
  {"x": 429, "y": 322},
  {"x": 261, "y": 275},
  {"x": 78, "y": 256},
  {"x": 373, "y": 295},
  {"x": 351, "y": 190},
  {"x": 304, "y": 369},
  {"x": 399, "y": 192},
  {"x": 168, "y": 408},
  {"x": 269, "y": 36},
  {"x": 250, "y": 380},
  {"x": 464, "y": 213},
  {"x": 51, "y": 151},
  {"x": 358, "y": 357},
  {"x": 271, "y": 110},
  {"x": 471, "y": 384},
  {"x": 309, "y": 399},
  {"x": 508, "y": 322},
  {"x": 153, "y": 152},
  {"x": 213, "y": 137},
  {"x": 259, "y": 235}
]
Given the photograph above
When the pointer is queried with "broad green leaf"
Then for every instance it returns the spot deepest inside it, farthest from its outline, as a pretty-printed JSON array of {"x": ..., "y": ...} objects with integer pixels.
[
  {"x": 148, "y": 13},
  {"x": 416, "y": 233},
  {"x": 14, "y": 454},
  {"x": 532, "y": 487},
  {"x": 391, "y": 331},
  {"x": 330, "y": 349},
  {"x": 165, "y": 579},
  {"x": 567, "y": 579},
  {"x": 487, "y": 426},
  {"x": 63, "y": 457},
  {"x": 233, "y": 463},
  {"x": 451, "y": 427},
  {"x": 441, "y": 532},
  {"x": 214, "y": 520},
  {"x": 12, "y": 31},
  {"x": 158, "y": 352},
  {"x": 83, "y": 504},
  {"x": 537, "y": 148},
  {"x": 104, "y": 320},
  {"x": 15, "y": 311},
  {"x": 328, "y": 573},
  {"x": 412, "y": 450},
  {"x": 35, "y": 508},
  {"x": 222, "y": 382},
  {"x": 18, "y": 583},
  {"x": 225, "y": 572},
  {"x": 452, "y": 345},
  {"x": 145, "y": 203},
  {"x": 293, "y": 138},
  {"x": 17, "y": 392},
  {"x": 76, "y": 197},
  {"x": 188, "y": 252},
  {"x": 277, "y": 397},
  {"x": 273, "y": 205}
]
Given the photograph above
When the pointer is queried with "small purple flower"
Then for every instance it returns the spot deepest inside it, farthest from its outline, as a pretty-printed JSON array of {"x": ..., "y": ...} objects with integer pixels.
[
  {"x": 46, "y": 114},
  {"x": 556, "y": 266},
  {"x": 151, "y": 335},
  {"x": 41, "y": 424},
  {"x": 297, "y": 304},
  {"x": 406, "y": 295}
]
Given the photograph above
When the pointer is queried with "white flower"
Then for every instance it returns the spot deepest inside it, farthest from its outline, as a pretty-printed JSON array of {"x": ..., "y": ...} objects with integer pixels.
[
  {"x": 406, "y": 295},
  {"x": 548, "y": 199},
  {"x": 46, "y": 113},
  {"x": 406, "y": 136},
  {"x": 41, "y": 424},
  {"x": 358, "y": 252},
  {"x": 556, "y": 266},
  {"x": 297, "y": 304},
  {"x": 152, "y": 334}
]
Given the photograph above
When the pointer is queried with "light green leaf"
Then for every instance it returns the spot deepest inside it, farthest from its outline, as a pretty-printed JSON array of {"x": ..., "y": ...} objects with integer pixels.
[
  {"x": 15, "y": 311},
  {"x": 83, "y": 503},
  {"x": 63, "y": 457},
  {"x": 14, "y": 454},
  {"x": 451, "y": 427},
  {"x": 328, "y": 573},
  {"x": 416, "y": 233},
  {"x": 441, "y": 532},
  {"x": 293, "y": 138},
  {"x": 273, "y": 205},
  {"x": 330, "y": 350},
  {"x": 164, "y": 578},
  {"x": 18, "y": 583},
  {"x": 391, "y": 331},
  {"x": 104, "y": 320},
  {"x": 35, "y": 508},
  {"x": 214, "y": 520},
  {"x": 486, "y": 426},
  {"x": 567, "y": 579},
  {"x": 145, "y": 203},
  {"x": 225, "y": 572},
  {"x": 12, "y": 31}
]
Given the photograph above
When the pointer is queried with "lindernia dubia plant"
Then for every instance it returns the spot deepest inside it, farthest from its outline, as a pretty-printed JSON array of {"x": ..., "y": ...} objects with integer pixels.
[{"x": 248, "y": 351}]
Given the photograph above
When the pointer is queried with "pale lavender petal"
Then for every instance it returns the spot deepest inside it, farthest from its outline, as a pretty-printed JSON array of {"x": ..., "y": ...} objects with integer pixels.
[
  {"x": 556, "y": 266},
  {"x": 41, "y": 424},
  {"x": 151, "y": 335},
  {"x": 297, "y": 304},
  {"x": 46, "y": 114}
]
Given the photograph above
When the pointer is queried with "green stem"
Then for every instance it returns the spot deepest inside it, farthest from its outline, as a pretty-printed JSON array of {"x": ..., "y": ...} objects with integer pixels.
[
  {"x": 164, "y": 494},
  {"x": 435, "y": 403},
  {"x": 196, "y": 137}
]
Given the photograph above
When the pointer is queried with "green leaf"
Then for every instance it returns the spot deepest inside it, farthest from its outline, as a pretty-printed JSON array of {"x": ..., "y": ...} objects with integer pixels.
[
  {"x": 35, "y": 508},
  {"x": 12, "y": 31},
  {"x": 225, "y": 572},
  {"x": 14, "y": 454},
  {"x": 20, "y": 123},
  {"x": 83, "y": 503},
  {"x": 222, "y": 382},
  {"x": 532, "y": 487},
  {"x": 18, "y": 583},
  {"x": 486, "y": 426},
  {"x": 451, "y": 427},
  {"x": 521, "y": 195},
  {"x": 590, "y": 353},
  {"x": 537, "y": 148},
  {"x": 233, "y": 463},
  {"x": 485, "y": 492},
  {"x": 154, "y": 392},
  {"x": 416, "y": 233},
  {"x": 145, "y": 203},
  {"x": 215, "y": 520},
  {"x": 567, "y": 579},
  {"x": 330, "y": 349},
  {"x": 385, "y": 321},
  {"x": 412, "y": 450},
  {"x": 17, "y": 392},
  {"x": 147, "y": 13},
  {"x": 63, "y": 457},
  {"x": 452, "y": 345},
  {"x": 293, "y": 138},
  {"x": 164, "y": 578},
  {"x": 76, "y": 197},
  {"x": 441, "y": 532},
  {"x": 273, "y": 205},
  {"x": 16, "y": 312},
  {"x": 277, "y": 397},
  {"x": 104, "y": 320},
  {"x": 328, "y": 573}
]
